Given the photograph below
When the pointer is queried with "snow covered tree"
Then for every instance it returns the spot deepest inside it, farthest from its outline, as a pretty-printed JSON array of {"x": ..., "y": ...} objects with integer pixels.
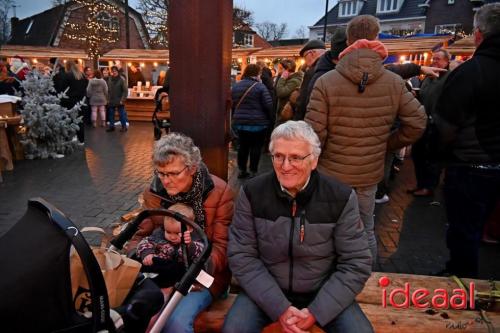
[{"x": 50, "y": 128}]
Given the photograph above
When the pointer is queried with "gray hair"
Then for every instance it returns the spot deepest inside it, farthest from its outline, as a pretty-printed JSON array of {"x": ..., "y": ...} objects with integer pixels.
[
  {"x": 296, "y": 130},
  {"x": 176, "y": 144},
  {"x": 487, "y": 19}
]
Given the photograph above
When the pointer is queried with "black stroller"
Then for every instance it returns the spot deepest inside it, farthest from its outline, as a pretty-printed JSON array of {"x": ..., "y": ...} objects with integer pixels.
[
  {"x": 161, "y": 122},
  {"x": 35, "y": 287}
]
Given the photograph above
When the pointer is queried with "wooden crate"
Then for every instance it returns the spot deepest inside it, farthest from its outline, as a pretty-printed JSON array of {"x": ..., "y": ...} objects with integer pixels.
[{"x": 7, "y": 109}]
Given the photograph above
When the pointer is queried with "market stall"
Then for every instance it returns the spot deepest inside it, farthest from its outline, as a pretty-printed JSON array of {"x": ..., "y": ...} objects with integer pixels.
[
  {"x": 39, "y": 56},
  {"x": 463, "y": 48},
  {"x": 153, "y": 64}
]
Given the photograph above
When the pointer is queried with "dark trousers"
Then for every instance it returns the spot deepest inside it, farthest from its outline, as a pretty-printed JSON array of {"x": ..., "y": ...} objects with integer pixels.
[
  {"x": 427, "y": 172},
  {"x": 250, "y": 143},
  {"x": 169, "y": 271},
  {"x": 470, "y": 196}
]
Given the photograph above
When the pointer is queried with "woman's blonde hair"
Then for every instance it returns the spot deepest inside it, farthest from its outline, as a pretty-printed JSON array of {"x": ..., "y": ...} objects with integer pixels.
[{"x": 74, "y": 68}]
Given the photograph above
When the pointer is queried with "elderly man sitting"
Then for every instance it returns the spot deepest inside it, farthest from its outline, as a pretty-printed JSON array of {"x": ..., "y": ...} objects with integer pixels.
[{"x": 297, "y": 245}]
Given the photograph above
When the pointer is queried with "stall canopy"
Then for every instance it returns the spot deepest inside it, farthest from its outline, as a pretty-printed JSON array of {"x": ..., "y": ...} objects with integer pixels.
[
  {"x": 41, "y": 52},
  {"x": 395, "y": 46},
  {"x": 136, "y": 55},
  {"x": 463, "y": 47}
]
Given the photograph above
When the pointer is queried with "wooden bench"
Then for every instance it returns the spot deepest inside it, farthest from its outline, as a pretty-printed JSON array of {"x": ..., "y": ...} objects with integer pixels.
[{"x": 389, "y": 319}]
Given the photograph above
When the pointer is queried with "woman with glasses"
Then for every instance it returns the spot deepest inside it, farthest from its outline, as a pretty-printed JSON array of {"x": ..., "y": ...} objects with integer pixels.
[{"x": 180, "y": 176}]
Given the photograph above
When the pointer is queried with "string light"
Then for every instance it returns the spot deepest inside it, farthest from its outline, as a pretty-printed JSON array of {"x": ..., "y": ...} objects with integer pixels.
[{"x": 98, "y": 28}]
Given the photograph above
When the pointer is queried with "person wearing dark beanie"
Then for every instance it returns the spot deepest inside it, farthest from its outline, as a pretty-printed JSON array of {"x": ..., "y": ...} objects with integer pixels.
[{"x": 311, "y": 52}]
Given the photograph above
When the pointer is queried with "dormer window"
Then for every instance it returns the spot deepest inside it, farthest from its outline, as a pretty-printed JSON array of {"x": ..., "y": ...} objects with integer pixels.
[
  {"x": 28, "y": 29},
  {"x": 388, "y": 6},
  {"x": 349, "y": 8},
  {"x": 108, "y": 21}
]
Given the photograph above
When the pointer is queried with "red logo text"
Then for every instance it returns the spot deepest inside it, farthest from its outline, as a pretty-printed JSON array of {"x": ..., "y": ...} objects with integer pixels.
[{"x": 401, "y": 298}]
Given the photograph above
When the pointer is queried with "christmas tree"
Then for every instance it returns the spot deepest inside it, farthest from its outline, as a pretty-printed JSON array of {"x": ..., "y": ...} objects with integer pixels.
[{"x": 49, "y": 127}]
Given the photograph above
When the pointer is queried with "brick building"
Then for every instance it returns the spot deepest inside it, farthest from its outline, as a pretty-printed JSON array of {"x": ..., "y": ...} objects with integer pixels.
[{"x": 48, "y": 28}]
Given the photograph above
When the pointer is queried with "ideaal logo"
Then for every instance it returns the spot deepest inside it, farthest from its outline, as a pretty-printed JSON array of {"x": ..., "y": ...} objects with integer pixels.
[{"x": 441, "y": 299}]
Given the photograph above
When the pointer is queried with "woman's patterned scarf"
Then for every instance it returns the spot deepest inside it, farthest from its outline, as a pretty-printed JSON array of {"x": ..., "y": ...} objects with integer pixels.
[{"x": 202, "y": 183}]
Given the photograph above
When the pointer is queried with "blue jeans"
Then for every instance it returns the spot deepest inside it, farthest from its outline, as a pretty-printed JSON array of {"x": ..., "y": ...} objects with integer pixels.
[
  {"x": 470, "y": 196},
  {"x": 121, "y": 111},
  {"x": 246, "y": 317},
  {"x": 182, "y": 319}
]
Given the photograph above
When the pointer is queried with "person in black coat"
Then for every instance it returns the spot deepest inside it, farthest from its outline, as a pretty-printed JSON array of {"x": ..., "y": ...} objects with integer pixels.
[
  {"x": 252, "y": 116},
  {"x": 467, "y": 119},
  {"x": 311, "y": 52},
  {"x": 76, "y": 84}
]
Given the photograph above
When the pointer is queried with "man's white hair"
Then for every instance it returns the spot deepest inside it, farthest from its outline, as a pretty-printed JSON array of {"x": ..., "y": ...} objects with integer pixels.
[
  {"x": 296, "y": 130},
  {"x": 487, "y": 19}
]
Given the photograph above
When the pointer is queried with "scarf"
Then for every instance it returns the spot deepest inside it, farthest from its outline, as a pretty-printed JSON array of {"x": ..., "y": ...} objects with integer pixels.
[{"x": 202, "y": 183}]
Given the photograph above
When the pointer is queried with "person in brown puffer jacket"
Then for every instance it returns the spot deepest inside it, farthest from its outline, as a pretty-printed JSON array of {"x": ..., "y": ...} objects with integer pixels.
[{"x": 352, "y": 109}]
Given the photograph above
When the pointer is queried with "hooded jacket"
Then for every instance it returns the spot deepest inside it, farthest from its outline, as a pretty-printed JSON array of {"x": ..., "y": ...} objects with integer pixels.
[
  {"x": 328, "y": 267},
  {"x": 468, "y": 117},
  {"x": 352, "y": 110}
]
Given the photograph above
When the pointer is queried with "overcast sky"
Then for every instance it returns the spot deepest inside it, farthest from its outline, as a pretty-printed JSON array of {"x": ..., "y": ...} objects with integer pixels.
[{"x": 295, "y": 13}]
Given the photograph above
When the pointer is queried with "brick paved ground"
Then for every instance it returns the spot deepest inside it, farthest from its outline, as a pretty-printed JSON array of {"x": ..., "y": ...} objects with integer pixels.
[{"x": 97, "y": 185}]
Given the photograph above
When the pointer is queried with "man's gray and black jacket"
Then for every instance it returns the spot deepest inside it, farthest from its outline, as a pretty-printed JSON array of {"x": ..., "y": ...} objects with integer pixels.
[{"x": 272, "y": 264}]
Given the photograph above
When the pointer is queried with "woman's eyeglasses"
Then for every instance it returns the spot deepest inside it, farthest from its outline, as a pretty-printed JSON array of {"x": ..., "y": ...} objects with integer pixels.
[
  {"x": 169, "y": 175},
  {"x": 294, "y": 160}
]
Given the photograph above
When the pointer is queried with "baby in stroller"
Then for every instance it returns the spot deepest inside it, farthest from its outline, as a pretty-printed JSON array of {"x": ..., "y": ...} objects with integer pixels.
[{"x": 162, "y": 253}]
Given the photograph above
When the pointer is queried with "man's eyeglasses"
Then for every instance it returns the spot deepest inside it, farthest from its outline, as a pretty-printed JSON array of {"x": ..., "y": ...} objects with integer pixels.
[
  {"x": 294, "y": 160},
  {"x": 169, "y": 175}
]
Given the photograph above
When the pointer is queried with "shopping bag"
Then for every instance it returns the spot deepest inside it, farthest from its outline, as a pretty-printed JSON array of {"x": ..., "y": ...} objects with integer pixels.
[{"x": 119, "y": 274}]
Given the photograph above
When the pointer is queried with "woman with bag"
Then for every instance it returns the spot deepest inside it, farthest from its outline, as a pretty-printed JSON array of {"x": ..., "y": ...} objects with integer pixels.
[
  {"x": 288, "y": 84},
  {"x": 252, "y": 116},
  {"x": 180, "y": 176}
]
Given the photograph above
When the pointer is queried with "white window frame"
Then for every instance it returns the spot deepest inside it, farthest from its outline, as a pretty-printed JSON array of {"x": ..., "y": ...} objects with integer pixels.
[
  {"x": 451, "y": 27},
  {"x": 388, "y": 6},
  {"x": 248, "y": 40},
  {"x": 348, "y": 8},
  {"x": 108, "y": 20}
]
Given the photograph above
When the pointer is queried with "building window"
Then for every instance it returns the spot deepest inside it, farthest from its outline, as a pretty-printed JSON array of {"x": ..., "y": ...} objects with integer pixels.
[
  {"x": 448, "y": 28},
  {"x": 248, "y": 40},
  {"x": 388, "y": 6},
  {"x": 108, "y": 21},
  {"x": 348, "y": 8},
  {"x": 28, "y": 29}
]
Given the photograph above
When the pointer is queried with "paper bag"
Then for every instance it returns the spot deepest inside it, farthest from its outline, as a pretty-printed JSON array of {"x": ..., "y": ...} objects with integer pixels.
[{"x": 119, "y": 274}]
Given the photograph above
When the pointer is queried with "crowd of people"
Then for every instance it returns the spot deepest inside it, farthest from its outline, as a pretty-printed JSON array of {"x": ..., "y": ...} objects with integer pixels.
[
  {"x": 101, "y": 92},
  {"x": 299, "y": 240}
]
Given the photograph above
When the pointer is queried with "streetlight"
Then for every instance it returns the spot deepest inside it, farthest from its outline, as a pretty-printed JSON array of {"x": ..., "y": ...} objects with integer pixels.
[{"x": 326, "y": 20}]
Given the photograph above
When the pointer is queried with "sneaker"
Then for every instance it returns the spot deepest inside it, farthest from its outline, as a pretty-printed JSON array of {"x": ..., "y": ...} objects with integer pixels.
[
  {"x": 243, "y": 174},
  {"x": 110, "y": 129},
  {"x": 382, "y": 200}
]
